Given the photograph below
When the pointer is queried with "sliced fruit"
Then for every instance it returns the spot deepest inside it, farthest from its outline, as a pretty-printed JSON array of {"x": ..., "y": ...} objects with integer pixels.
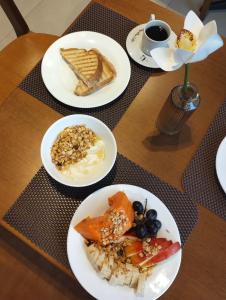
[
  {"x": 160, "y": 242},
  {"x": 115, "y": 222},
  {"x": 120, "y": 201},
  {"x": 147, "y": 254},
  {"x": 134, "y": 248},
  {"x": 139, "y": 259},
  {"x": 141, "y": 284},
  {"x": 163, "y": 254},
  {"x": 90, "y": 228}
]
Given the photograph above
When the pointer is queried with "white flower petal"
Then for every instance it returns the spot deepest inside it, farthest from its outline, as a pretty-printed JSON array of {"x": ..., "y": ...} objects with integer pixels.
[
  {"x": 211, "y": 45},
  {"x": 183, "y": 55},
  {"x": 173, "y": 40},
  {"x": 193, "y": 23},
  {"x": 166, "y": 59},
  {"x": 207, "y": 31}
]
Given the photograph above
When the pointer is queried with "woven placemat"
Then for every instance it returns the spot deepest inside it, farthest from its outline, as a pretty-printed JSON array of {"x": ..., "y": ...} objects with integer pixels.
[
  {"x": 100, "y": 19},
  {"x": 200, "y": 179},
  {"x": 44, "y": 210}
]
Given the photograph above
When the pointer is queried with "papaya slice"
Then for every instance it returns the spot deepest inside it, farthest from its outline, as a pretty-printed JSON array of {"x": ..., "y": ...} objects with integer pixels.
[{"x": 109, "y": 227}]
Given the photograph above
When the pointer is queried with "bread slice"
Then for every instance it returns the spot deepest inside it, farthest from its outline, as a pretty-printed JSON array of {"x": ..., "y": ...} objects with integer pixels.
[
  {"x": 107, "y": 75},
  {"x": 86, "y": 64}
]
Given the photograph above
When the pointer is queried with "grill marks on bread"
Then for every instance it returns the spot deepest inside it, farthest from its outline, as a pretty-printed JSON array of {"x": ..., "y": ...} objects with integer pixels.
[
  {"x": 91, "y": 67},
  {"x": 86, "y": 65},
  {"x": 107, "y": 75}
]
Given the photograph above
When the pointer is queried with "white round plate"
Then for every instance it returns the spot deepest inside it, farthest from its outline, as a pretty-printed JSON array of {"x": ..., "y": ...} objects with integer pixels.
[
  {"x": 133, "y": 46},
  {"x": 60, "y": 80},
  {"x": 221, "y": 164},
  {"x": 94, "y": 205},
  {"x": 101, "y": 131}
]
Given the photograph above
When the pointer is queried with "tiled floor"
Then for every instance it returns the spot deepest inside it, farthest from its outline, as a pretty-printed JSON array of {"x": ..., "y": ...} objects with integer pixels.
[{"x": 54, "y": 16}]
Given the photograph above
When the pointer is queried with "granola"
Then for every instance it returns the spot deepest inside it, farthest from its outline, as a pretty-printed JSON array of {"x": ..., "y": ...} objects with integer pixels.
[{"x": 71, "y": 145}]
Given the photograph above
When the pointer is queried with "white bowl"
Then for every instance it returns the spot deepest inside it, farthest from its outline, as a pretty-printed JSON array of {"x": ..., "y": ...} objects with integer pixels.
[{"x": 100, "y": 129}]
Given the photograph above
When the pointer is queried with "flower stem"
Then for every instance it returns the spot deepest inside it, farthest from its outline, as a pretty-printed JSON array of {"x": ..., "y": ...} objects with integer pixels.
[{"x": 186, "y": 77}]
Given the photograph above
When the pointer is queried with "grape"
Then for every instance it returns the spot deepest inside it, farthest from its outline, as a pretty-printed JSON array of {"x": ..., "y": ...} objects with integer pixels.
[
  {"x": 138, "y": 207},
  {"x": 157, "y": 223},
  {"x": 141, "y": 231},
  {"x": 151, "y": 214}
]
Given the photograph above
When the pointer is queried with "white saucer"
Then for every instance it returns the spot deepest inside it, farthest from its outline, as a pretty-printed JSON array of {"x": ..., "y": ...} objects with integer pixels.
[{"x": 133, "y": 46}]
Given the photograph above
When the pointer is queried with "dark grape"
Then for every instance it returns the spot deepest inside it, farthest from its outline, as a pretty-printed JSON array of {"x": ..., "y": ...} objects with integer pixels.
[
  {"x": 152, "y": 227},
  {"x": 138, "y": 207},
  {"x": 157, "y": 223},
  {"x": 151, "y": 214},
  {"x": 148, "y": 223},
  {"x": 141, "y": 231},
  {"x": 153, "y": 230},
  {"x": 138, "y": 222}
]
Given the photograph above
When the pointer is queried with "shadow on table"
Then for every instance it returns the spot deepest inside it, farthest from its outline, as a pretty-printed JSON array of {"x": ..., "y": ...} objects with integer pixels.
[
  {"x": 158, "y": 141},
  {"x": 67, "y": 285}
]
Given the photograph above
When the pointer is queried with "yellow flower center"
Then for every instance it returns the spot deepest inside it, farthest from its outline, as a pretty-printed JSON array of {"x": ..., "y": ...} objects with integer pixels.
[{"x": 186, "y": 40}]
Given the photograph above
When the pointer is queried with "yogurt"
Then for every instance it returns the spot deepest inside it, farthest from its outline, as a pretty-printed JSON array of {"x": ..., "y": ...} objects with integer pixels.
[{"x": 89, "y": 166}]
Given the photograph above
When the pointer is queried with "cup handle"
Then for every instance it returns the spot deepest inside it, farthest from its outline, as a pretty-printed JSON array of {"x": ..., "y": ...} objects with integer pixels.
[{"x": 152, "y": 17}]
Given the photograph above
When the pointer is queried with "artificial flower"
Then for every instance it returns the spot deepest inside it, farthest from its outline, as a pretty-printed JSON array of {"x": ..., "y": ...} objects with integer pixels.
[{"x": 194, "y": 43}]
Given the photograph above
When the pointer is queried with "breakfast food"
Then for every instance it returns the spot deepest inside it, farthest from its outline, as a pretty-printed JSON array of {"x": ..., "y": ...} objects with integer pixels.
[
  {"x": 129, "y": 262},
  {"x": 145, "y": 223},
  {"x": 117, "y": 253},
  {"x": 113, "y": 265},
  {"x": 112, "y": 225},
  {"x": 86, "y": 65},
  {"x": 93, "y": 69},
  {"x": 71, "y": 145},
  {"x": 107, "y": 75}
]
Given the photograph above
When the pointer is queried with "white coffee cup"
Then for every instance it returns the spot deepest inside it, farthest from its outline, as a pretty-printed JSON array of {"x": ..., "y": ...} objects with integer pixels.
[{"x": 147, "y": 44}]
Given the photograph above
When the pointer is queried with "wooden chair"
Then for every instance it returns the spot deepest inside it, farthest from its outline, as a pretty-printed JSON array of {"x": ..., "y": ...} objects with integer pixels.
[
  {"x": 28, "y": 45},
  {"x": 210, "y": 4},
  {"x": 19, "y": 24}
]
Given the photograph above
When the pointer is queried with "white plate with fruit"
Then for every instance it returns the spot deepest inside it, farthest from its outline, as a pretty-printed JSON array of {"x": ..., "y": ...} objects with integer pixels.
[{"x": 111, "y": 262}]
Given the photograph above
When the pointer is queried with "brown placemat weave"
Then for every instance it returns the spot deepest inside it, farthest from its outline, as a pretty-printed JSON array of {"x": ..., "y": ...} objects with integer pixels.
[
  {"x": 100, "y": 19},
  {"x": 44, "y": 210},
  {"x": 200, "y": 179}
]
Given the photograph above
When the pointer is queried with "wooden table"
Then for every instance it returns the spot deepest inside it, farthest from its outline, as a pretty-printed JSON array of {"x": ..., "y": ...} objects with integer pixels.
[{"x": 24, "y": 274}]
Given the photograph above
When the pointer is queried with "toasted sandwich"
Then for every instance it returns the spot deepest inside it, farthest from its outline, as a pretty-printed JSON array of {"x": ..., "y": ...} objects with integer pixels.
[
  {"x": 86, "y": 64},
  {"x": 107, "y": 75}
]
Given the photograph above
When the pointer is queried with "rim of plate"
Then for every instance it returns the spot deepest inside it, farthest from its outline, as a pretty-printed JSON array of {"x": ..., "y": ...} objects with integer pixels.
[
  {"x": 120, "y": 187},
  {"x": 43, "y": 149},
  {"x": 221, "y": 154},
  {"x": 109, "y": 97}
]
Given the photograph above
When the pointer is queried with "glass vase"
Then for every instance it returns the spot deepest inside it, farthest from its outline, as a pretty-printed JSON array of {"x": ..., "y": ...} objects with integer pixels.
[{"x": 179, "y": 106}]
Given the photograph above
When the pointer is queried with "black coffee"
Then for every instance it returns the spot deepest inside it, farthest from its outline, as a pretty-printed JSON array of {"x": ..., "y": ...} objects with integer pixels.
[{"x": 157, "y": 33}]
